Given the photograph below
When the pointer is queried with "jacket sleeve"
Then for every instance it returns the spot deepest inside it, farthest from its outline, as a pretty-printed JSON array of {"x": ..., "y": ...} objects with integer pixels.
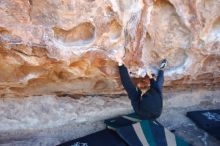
[
  {"x": 127, "y": 83},
  {"x": 152, "y": 83}
]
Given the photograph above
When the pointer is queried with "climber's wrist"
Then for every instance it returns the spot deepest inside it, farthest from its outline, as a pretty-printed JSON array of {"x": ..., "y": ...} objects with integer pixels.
[{"x": 120, "y": 63}]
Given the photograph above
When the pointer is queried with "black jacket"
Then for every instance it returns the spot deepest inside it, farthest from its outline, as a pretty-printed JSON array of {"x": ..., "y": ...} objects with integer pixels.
[{"x": 149, "y": 105}]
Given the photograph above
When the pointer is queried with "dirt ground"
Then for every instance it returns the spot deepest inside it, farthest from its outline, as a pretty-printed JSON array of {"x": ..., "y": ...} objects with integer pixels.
[{"x": 51, "y": 120}]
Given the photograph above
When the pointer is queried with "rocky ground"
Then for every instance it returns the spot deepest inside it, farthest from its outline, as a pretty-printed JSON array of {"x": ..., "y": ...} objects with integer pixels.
[{"x": 50, "y": 120}]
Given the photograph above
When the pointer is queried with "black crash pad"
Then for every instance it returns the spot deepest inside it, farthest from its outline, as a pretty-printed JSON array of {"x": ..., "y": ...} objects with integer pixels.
[
  {"x": 102, "y": 138},
  {"x": 137, "y": 132},
  {"x": 209, "y": 120}
]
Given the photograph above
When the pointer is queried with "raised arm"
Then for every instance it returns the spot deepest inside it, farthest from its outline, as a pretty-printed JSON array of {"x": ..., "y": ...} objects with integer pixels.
[
  {"x": 126, "y": 80},
  {"x": 133, "y": 92}
]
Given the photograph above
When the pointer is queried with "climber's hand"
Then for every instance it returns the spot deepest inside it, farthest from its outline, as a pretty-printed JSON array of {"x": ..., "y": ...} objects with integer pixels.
[
  {"x": 149, "y": 74},
  {"x": 119, "y": 57}
]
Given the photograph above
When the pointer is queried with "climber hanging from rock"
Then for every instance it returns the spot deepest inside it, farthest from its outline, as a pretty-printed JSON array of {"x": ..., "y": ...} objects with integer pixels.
[{"x": 149, "y": 104}]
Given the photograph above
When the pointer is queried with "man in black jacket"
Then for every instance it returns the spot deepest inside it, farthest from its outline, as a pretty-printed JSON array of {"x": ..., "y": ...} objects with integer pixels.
[{"x": 148, "y": 105}]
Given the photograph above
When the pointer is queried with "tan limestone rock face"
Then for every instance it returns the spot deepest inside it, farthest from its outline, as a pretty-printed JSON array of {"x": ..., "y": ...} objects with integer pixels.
[{"x": 68, "y": 46}]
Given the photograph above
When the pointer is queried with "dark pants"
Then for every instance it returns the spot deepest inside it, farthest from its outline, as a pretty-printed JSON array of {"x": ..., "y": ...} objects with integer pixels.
[{"x": 134, "y": 93}]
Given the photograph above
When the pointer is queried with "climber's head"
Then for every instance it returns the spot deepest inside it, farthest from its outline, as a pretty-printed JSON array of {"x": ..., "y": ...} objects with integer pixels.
[{"x": 144, "y": 83}]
